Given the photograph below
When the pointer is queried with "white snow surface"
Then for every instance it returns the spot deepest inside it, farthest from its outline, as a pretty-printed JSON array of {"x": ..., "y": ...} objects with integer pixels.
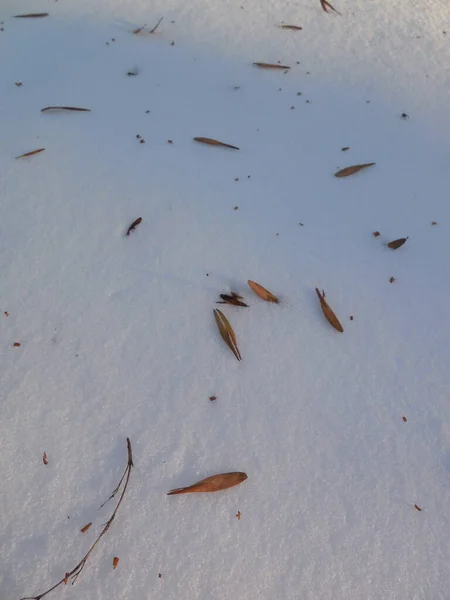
[{"x": 117, "y": 333}]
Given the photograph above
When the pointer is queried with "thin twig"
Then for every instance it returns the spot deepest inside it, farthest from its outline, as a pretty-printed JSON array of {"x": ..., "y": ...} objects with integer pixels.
[
  {"x": 156, "y": 26},
  {"x": 73, "y": 574}
]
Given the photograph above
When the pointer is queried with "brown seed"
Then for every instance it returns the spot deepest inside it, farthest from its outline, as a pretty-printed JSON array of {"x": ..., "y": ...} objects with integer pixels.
[
  {"x": 215, "y": 483},
  {"x": 66, "y": 578},
  {"x": 262, "y": 292},
  {"x": 73, "y": 108},
  {"x": 397, "y": 243},
  {"x": 292, "y": 27},
  {"x": 115, "y": 562},
  {"x": 31, "y": 16},
  {"x": 404, "y": 419},
  {"x": 133, "y": 225},
  {"x": 325, "y": 5},
  {"x": 85, "y": 528},
  {"x": 212, "y": 398},
  {"x": 226, "y": 332},
  {"x": 328, "y": 313},
  {"x": 16, "y": 344},
  {"x": 32, "y": 153},
  {"x": 212, "y": 142},
  {"x": 44, "y": 458},
  {"x": 353, "y": 169},
  {"x": 376, "y": 233},
  {"x": 263, "y": 65},
  {"x": 232, "y": 299},
  {"x": 417, "y": 507}
]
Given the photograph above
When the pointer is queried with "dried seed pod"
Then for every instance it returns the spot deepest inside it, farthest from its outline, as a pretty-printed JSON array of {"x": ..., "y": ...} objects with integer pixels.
[
  {"x": 397, "y": 243},
  {"x": 32, "y": 153},
  {"x": 262, "y": 292},
  {"x": 133, "y": 225},
  {"x": 329, "y": 314},
  {"x": 226, "y": 332},
  {"x": 263, "y": 65},
  {"x": 215, "y": 483},
  {"x": 353, "y": 169},
  {"x": 85, "y": 528},
  {"x": 212, "y": 142}
]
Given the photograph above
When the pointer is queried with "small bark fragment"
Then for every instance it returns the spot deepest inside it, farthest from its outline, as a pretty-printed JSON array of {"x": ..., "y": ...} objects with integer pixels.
[
  {"x": 353, "y": 169},
  {"x": 85, "y": 528},
  {"x": 133, "y": 225},
  {"x": 397, "y": 243},
  {"x": 216, "y": 483},
  {"x": 291, "y": 27},
  {"x": 328, "y": 313},
  {"x": 326, "y": 5},
  {"x": 212, "y": 142},
  {"x": 73, "y": 108},
  {"x": 31, "y": 16},
  {"x": 226, "y": 332},
  {"x": 44, "y": 458},
  {"x": 263, "y": 65},
  {"x": 32, "y": 153},
  {"x": 115, "y": 562},
  {"x": 262, "y": 292}
]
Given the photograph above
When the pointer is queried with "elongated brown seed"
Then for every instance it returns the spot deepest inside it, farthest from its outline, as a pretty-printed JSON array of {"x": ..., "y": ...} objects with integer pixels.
[
  {"x": 353, "y": 169},
  {"x": 232, "y": 299},
  {"x": 212, "y": 142},
  {"x": 133, "y": 225},
  {"x": 85, "y": 528},
  {"x": 329, "y": 314},
  {"x": 74, "y": 108},
  {"x": 263, "y": 65},
  {"x": 31, "y": 16},
  {"x": 397, "y": 243},
  {"x": 262, "y": 292},
  {"x": 227, "y": 333},
  {"x": 292, "y": 27},
  {"x": 215, "y": 483},
  {"x": 32, "y": 153}
]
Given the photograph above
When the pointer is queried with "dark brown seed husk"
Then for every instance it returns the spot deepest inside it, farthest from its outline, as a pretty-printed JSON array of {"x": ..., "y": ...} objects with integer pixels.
[
  {"x": 133, "y": 225},
  {"x": 353, "y": 169},
  {"x": 328, "y": 313},
  {"x": 215, "y": 483},
  {"x": 32, "y": 153},
  {"x": 397, "y": 243},
  {"x": 263, "y": 65},
  {"x": 73, "y": 108},
  {"x": 213, "y": 142}
]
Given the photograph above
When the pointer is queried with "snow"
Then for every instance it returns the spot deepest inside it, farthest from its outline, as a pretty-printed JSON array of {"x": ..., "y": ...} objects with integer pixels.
[{"x": 117, "y": 333}]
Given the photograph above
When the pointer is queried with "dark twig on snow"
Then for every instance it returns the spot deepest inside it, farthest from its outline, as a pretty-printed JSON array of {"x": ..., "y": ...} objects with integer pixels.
[
  {"x": 156, "y": 26},
  {"x": 73, "y": 574},
  {"x": 326, "y": 5}
]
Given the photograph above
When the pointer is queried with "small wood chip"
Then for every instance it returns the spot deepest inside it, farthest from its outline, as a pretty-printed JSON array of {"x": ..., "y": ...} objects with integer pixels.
[
  {"x": 263, "y": 65},
  {"x": 85, "y": 528},
  {"x": 32, "y": 153},
  {"x": 417, "y": 507},
  {"x": 328, "y": 313},
  {"x": 133, "y": 225},
  {"x": 291, "y": 27},
  {"x": 44, "y": 458},
  {"x": 73, "y": 108},
  {"x": 226, "y": 332},
  {"x": 16, "y": 344},
  {"x": 353, "y": 169},
  {"x": 212, "y": 142},
  {"x": 397, "y": 243},
  {"x": 31, "y": 16},
  {"x": 376, "y": 233},
  {"x": 115, "y": 562},
  {"x": 262, "y": 292},
  {"x": 404, "y": 419}
]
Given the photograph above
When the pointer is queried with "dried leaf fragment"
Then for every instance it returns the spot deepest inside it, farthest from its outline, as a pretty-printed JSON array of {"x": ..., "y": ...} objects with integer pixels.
[
  {"x": 397, "y": 243},
  {"x": 328, "y": 313},
  {"x": 32, "y": 153},
  {"x": 353, "y": 169},
  {"x": 263, "y": 65},
  {"x": 212, "y": 142},
  {"x": 326, "y": 5},
  {"x": 31, "y": 16},
  {"x": 73, "y": 108},
  {"x": 215, "y": 483},
  {"x": 262, "y": 292},
  {"x": 44, "y": 458},
  {"x": 85, "y": 528},
  {"x": 115, "y": 562},
  {"x": 226, "y": 332},
  {"x": 417, "y": 507},
  {"x": 291, "y": 27},
  {"x": 133, "y": 225}
]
